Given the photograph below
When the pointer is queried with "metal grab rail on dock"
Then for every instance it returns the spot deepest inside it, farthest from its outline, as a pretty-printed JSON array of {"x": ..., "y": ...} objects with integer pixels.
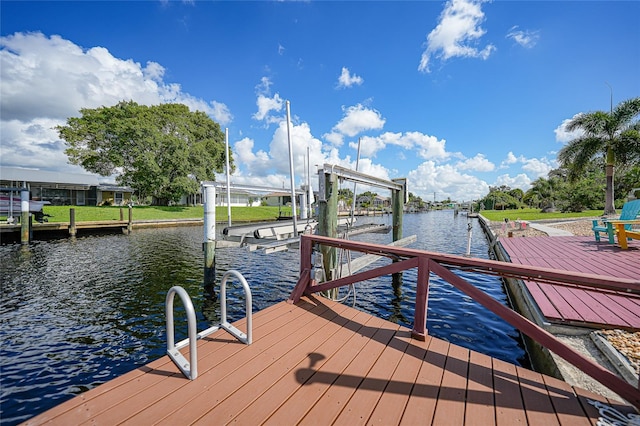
[{"x": 190, "y": 368}]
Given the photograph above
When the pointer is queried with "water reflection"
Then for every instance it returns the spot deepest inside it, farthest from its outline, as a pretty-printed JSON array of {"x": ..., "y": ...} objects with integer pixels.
[{"x": 76, "y": 313}]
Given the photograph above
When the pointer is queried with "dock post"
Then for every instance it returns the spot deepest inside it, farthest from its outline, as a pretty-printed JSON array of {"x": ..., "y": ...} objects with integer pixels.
[
  {"x": 397, "y": 200},
  {"x": 130, "y": 220},
  {"x": 397, "y": 206},
  {"x": 24, "y": 216},
  {"x": 209, "y": 244},
  {"x": 72, "y": 222},
  {"x": 328, "y": 222}
]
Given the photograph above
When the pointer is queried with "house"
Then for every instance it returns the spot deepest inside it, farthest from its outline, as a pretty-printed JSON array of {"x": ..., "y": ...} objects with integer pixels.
[
  {"x": 63, "y": 189},
  {"x": 275, "y": 199},
  {"x": 239, "y": 198}
]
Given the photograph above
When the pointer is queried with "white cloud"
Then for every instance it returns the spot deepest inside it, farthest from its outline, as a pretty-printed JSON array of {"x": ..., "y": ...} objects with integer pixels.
[
  {"x": 426, "y": 147},
  {"x": 563, "y": 135},
  {"x": 526, "y": 39},
  {"x": 45, "y": 80},
  {"x": 446, "y": 181},
  {"x": 521, "y": 181},
  {"x": 479, "y": 163},
  {"x": 267, "y": 105},
  {"x": 533, "y": 167},
  {"x": 358, "y": 119},
  {"x": 335, "y": 139},
  {"x": 456, "y": 34},
  {"x": 538, "y": 167},
  {"x": 511, "y": 159},
  {"x": 347, "y": 80},
  {"x": 260, "y": 167}
]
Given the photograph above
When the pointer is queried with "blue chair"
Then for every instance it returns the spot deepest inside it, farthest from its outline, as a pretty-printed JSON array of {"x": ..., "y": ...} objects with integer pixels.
[{"x": 630, "y": 211}]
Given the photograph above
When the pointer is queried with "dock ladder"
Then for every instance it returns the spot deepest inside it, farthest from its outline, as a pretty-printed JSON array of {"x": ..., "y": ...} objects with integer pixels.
[{"x": 190, "y": 368}]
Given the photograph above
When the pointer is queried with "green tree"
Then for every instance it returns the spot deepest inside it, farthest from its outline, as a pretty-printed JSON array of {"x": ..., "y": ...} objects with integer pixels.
[
  {"x": 345, "y": 195},
  {"x": 162, "y": 151},
  {"x": 544, "y": 192},
  {"x": 613, "y": 134}
]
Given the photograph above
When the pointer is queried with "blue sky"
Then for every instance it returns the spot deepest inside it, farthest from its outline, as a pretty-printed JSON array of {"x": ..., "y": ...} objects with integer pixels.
[{"x": 456, "y": 96}]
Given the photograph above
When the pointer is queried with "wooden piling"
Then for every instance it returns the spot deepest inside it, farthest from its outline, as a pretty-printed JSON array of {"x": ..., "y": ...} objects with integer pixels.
[
  {"x": 72, "y": 222},
  {"x": 24, "y": 216},
  {"x": 130, "y": 220},
  {"x": 328, "y": 221},
  {"x": 397, "y": 206},
  {"x": 397, "y": 201}
]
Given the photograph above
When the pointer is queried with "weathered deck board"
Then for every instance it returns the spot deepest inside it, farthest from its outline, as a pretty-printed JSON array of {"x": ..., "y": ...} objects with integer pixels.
[
  {"x": 602, "y": 309},
  {"x": 320, "y": 362}
]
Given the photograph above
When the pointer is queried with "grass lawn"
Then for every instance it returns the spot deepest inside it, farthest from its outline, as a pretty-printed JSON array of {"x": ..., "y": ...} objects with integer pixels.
[
  {"x": 535, "y": 214},
  {"x": 87, "y": 213},
  {"x": 253, "y": 214}
]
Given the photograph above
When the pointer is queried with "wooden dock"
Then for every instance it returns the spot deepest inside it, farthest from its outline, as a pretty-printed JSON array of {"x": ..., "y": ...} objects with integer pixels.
[
  {"x": 580, "y": 306},
  {"x": 321, "y": 362}
]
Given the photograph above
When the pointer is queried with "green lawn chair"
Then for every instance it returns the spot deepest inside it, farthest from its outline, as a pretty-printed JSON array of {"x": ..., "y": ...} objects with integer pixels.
[{"x": 630, "y": 211}]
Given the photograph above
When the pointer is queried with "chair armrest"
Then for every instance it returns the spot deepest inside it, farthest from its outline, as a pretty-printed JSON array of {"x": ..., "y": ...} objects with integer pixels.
[{"x": 625, "y": 222}]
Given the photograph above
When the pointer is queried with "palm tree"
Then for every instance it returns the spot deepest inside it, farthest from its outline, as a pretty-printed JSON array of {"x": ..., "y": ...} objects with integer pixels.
[{"x": 613, "y": 134}]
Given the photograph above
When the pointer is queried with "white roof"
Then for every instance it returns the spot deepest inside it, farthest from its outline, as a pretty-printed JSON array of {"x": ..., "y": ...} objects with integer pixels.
[{"x": 18, "y": 174}]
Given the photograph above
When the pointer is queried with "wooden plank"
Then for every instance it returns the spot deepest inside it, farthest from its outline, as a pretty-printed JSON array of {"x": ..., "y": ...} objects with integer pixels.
[
  {"x": 249, "y": 390},
  {"x": 307, "y": 396},
  {"x": 424, "y": 396},
  {"x": 348, "y": 382},
  {"x": 392, "y": 404},
  {"x": 537, "y": 403},
  {"x": 359, "y": 408},
  {"x": 453, "y": 390},
  {"x": 544, "y": 304},
  {"x": 565, "y": 402},
  {"x": 509, "y": 406},
  {"x": 480, "y": 409},
  {"x": 298, "y": 390}
]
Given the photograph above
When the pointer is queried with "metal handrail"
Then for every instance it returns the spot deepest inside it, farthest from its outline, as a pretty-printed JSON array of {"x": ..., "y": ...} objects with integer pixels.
[
  {"x": 245, "y": 338},
  {"x": 190, "y": 368}
]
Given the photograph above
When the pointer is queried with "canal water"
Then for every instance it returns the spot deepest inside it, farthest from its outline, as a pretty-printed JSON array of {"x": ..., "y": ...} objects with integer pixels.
[{"x": 75, "y": 313}]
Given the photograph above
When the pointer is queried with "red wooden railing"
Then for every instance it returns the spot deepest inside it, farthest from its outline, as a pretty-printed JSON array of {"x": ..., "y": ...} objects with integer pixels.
[{"x": 439, "y": 263}]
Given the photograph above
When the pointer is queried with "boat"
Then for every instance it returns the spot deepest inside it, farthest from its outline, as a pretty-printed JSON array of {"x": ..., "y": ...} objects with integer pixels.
[{"x": 11, "y": 205}]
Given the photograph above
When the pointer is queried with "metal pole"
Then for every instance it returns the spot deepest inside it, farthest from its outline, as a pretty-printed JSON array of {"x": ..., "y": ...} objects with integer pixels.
[
  {"x": 611, "y": 89},
  {"x": 293, "y": 188},
  {"x": 303, "y": 196},
  {"x": 309, "y": 190},
  {"x": 226, "y": 133},
  {"x": 469, "y": 232},
  {"x": 355, "y": 184},
  {"x": 209, "y": 244}
]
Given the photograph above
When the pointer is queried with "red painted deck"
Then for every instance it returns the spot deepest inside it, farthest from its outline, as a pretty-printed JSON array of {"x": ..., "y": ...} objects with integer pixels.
[
  {"x": 320, "y": 362},
  {"x": 576, "y": 306}
]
